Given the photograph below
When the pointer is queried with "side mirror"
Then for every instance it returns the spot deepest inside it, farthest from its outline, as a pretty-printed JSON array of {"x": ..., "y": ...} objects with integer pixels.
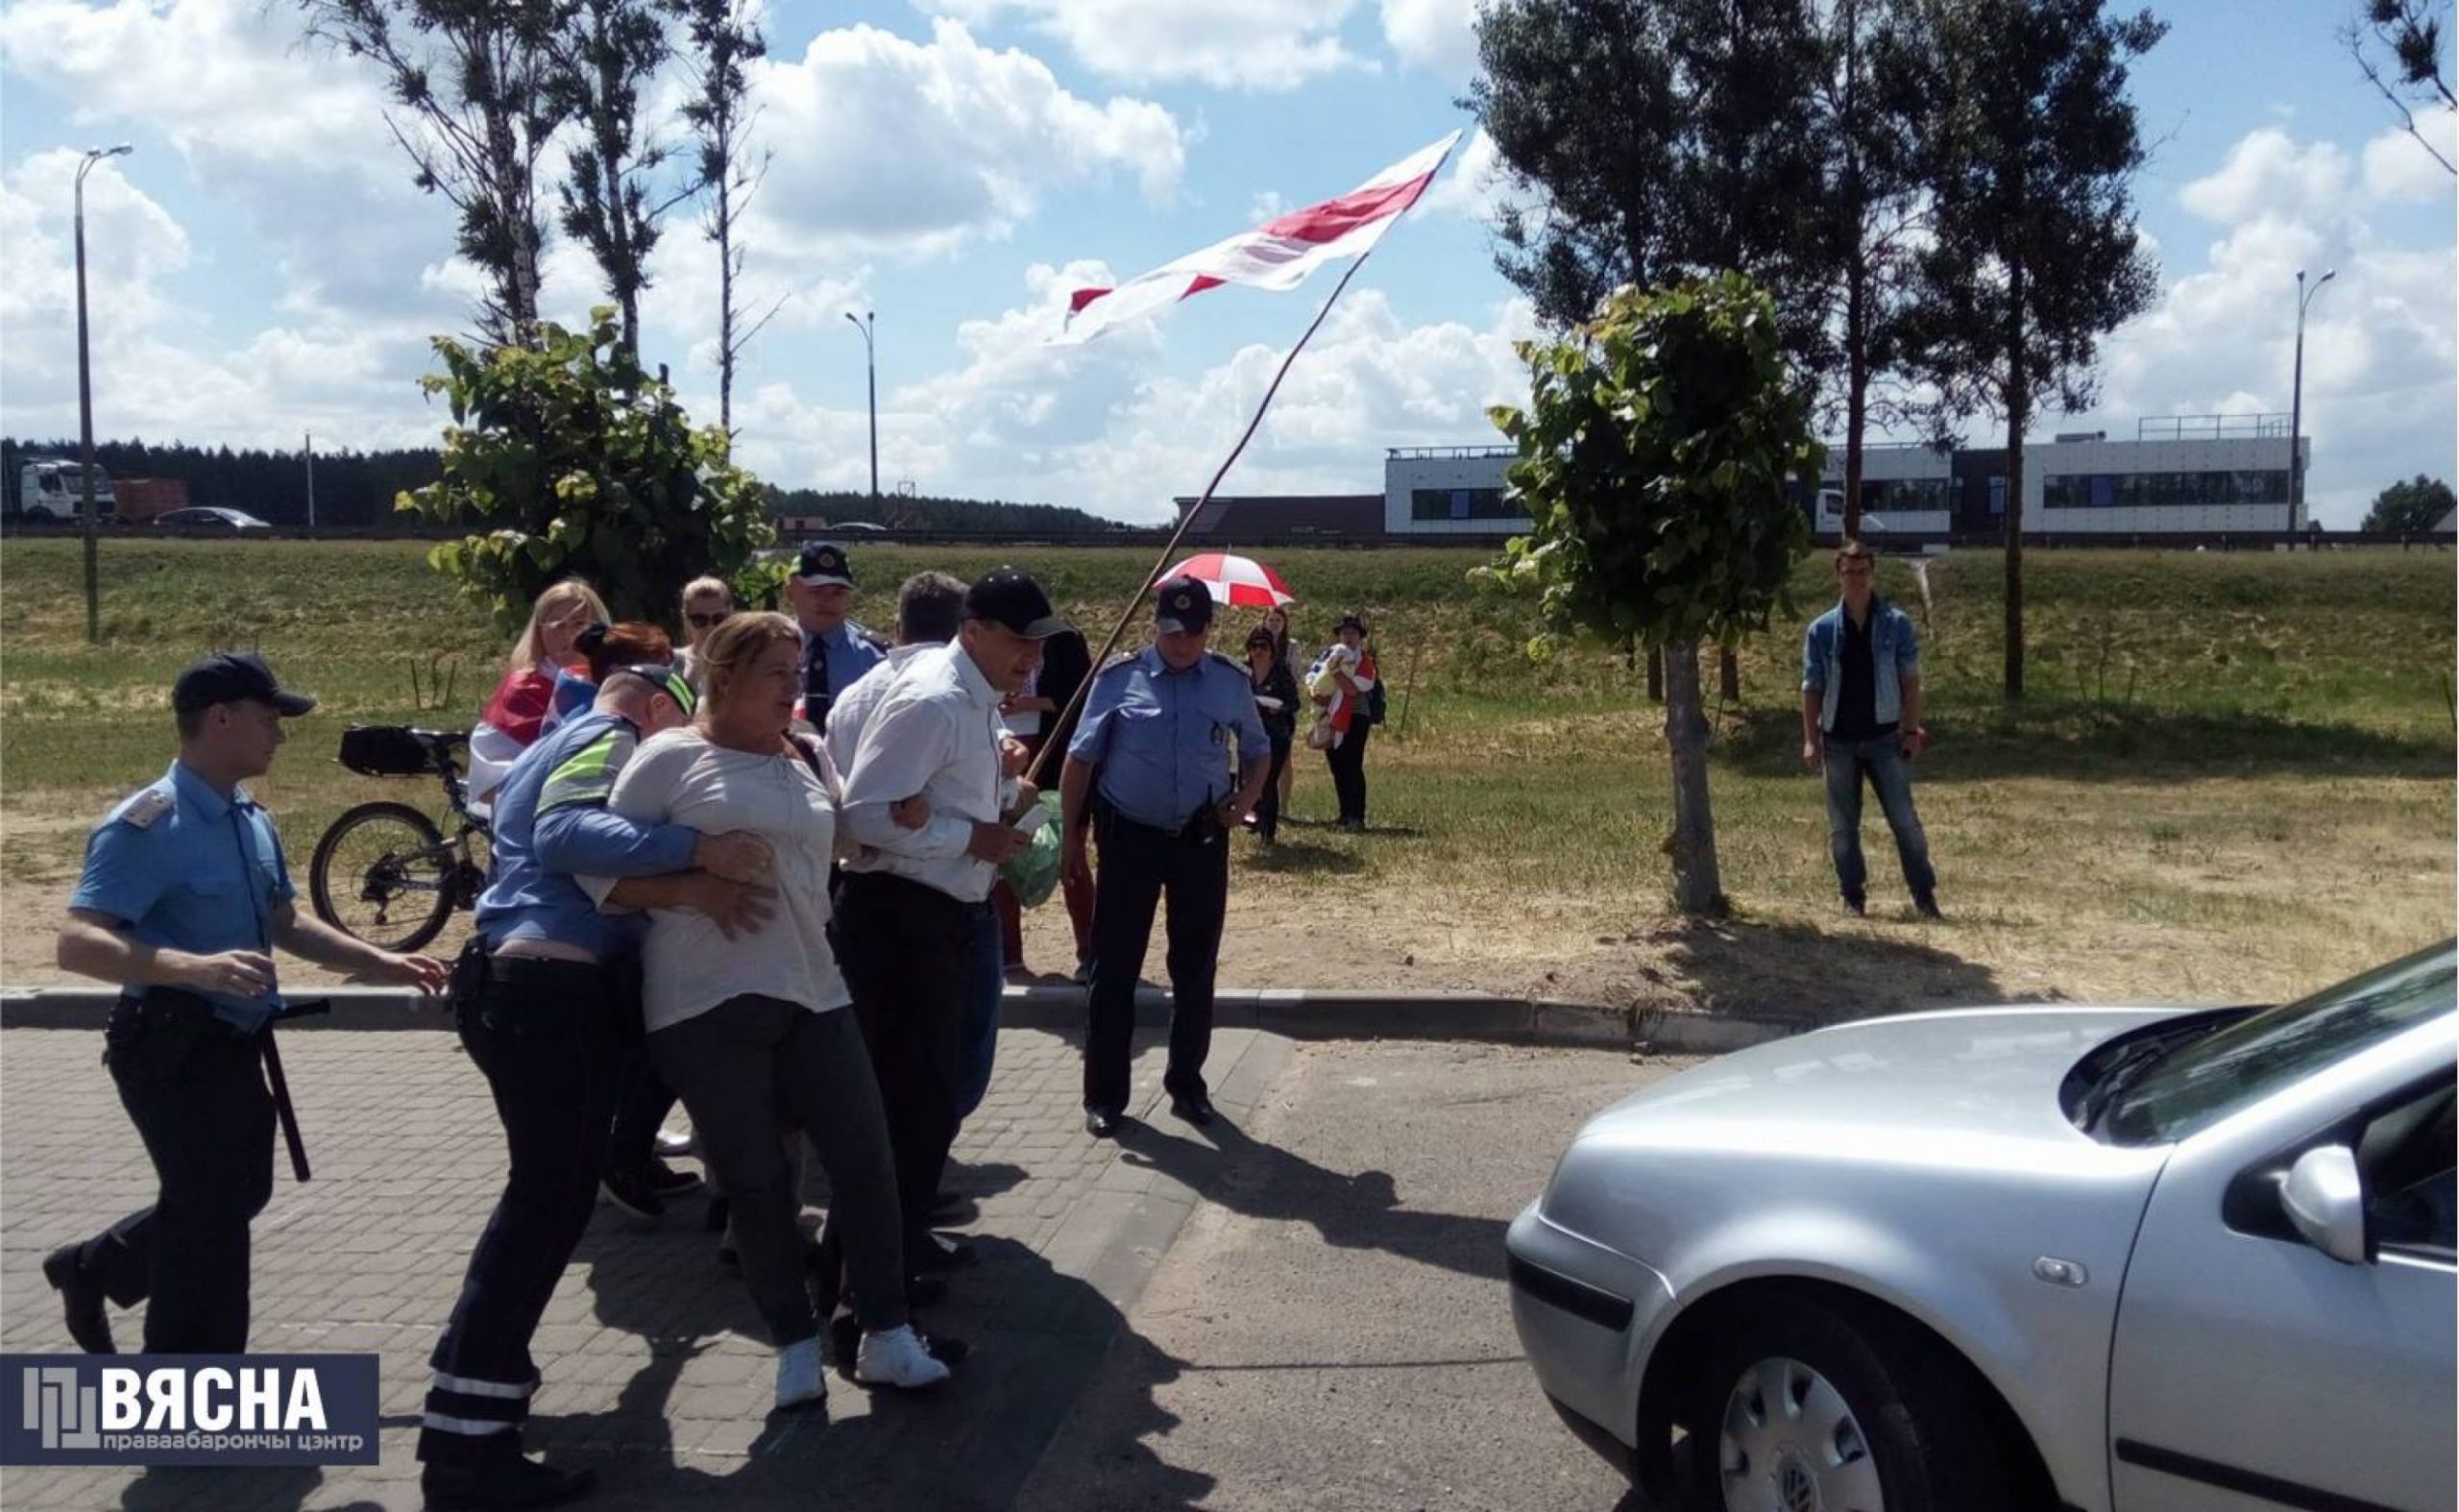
[{"x": 2325, "y": 1199}]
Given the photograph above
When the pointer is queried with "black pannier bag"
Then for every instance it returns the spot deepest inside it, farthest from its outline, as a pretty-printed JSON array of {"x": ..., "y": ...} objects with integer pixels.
[{"x": 385, "y": 750}]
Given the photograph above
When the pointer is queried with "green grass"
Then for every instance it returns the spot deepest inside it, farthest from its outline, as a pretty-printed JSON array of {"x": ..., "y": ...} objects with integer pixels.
[{"x": 2242, "y": 758}]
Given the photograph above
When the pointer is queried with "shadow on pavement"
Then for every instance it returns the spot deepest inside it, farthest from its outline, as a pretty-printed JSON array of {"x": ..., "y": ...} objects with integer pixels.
[
  {"x": 274, "y": 1488},
  {"x": 1353, "y": 1213},
  {"x": 679, "y": 1432}
]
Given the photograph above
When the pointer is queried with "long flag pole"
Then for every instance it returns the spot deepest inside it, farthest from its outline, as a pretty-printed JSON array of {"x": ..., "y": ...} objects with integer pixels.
[{"x": 1077, "y": 700}]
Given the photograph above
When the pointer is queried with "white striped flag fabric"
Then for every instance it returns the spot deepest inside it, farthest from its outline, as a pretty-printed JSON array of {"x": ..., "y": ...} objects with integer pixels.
[
  {"x": 1277, "y": 254},
  {"x": 1239, "y": 580}
]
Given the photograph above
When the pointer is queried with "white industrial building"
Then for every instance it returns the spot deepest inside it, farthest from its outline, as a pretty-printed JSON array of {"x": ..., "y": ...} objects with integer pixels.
[{"x": 2185, "y": 475}]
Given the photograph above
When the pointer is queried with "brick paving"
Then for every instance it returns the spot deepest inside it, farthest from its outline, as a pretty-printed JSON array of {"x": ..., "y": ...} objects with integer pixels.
[{"x": 653, "y": 1367}]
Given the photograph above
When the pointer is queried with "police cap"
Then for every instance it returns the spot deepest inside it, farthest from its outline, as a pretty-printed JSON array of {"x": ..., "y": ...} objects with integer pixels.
[
  {"x": 824, "y": 563},
  {"x": 1181, "y": 605},
  {"x": 230, "y": 676}
]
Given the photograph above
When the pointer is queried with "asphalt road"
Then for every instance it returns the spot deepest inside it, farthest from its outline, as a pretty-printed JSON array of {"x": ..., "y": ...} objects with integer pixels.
[{"x": 1330, "y": 1329}]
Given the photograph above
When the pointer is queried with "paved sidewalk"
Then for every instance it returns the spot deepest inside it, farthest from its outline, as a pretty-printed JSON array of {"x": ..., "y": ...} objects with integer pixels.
[{"x": 653, "y": 1367}]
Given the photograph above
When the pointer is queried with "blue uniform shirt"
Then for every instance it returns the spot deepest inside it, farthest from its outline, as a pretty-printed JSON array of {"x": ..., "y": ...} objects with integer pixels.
[
  {"x": 835, "y": 661},
  {"x": 1169, "y": 743},
  {"x": 185, "y": 868},
  {"x": 551, "y": 823}
]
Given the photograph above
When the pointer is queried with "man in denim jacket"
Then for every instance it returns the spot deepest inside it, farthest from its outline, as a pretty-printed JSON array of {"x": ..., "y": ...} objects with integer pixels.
[{"x": 1862, "y": 717}]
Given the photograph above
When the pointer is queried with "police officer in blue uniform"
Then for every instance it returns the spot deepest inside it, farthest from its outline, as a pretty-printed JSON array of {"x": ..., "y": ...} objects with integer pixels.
[
  {"x": 836, "y": 651},
  {"x": 182, "y": 900},
  {"x": 1168, "y": 759},
  {"x": 548, "y": 1010}
]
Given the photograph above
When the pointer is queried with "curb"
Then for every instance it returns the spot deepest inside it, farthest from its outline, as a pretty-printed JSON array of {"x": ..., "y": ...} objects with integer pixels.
[{"x": 1297, "y": 1013}]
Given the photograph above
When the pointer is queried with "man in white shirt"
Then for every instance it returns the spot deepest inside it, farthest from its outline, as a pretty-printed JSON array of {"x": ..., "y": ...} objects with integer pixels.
[{"x": 906, "y": 909}]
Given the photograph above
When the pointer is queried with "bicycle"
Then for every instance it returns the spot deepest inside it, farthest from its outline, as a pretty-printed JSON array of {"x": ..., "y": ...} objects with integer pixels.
[{"x": 384, "y": 872}]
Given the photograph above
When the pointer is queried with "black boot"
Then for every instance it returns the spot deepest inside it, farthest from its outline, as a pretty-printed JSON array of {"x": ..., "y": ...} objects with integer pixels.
[
  {"x": 80, "y": 1301},
  {"x": 499, "y": 1476}
]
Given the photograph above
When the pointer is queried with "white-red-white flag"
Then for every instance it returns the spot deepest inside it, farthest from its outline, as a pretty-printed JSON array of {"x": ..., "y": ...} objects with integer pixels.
[{"x": 1277, "y": 254}]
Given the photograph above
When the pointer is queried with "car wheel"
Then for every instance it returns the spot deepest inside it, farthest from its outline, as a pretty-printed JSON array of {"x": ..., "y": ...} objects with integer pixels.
[{"x": 1800, "y": 1406}]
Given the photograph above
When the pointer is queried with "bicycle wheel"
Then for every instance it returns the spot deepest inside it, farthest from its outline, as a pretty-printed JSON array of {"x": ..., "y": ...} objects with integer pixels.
[{"x": 383, "y": 873}]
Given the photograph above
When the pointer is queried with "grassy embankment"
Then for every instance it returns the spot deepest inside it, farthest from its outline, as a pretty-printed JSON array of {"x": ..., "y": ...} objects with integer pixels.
[{"x": 2234, "y": 776}]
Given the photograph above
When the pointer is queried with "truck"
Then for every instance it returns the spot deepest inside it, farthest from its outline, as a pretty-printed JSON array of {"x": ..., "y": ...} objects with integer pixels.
[
  {"x": 144, "y": 498},
  {"x": 49, "y": 488}
]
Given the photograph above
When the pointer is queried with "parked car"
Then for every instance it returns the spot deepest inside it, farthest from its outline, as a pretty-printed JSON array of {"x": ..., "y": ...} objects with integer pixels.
[
  {"x": 211, "y": 517},
  {"x": 2118, "y": 1259}
]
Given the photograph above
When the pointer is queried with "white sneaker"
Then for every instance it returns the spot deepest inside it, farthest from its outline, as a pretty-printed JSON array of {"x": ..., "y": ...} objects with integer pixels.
[
  {"x": 798, "y": 1375},
  {"x": 672, "y": 1145},
  {"x": 896, "y": 1358}
]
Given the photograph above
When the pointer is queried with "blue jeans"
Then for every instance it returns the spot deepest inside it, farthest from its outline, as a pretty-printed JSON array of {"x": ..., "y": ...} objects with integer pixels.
[
  {"x": 985, "y": 984},
  {"x": 1881, "y": 762}
]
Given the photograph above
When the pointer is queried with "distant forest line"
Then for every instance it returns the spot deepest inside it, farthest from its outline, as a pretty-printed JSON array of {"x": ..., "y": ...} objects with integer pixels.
[{"x": 355, "y": 490}]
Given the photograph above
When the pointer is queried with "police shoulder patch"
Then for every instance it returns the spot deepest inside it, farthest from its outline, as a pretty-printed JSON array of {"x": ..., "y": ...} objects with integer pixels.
[
  {"x": 146, "y": 807},
  {"x": 870, "y": 637},
  {"x": 1117, "y": 661}
]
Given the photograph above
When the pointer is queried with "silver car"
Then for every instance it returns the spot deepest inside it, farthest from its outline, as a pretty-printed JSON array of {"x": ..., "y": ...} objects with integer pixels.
[{"x": 2130, "y": 1258}]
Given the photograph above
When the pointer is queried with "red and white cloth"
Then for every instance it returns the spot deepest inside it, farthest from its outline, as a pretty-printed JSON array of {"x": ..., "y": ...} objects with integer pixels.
[{"x": 1277, "y": 254}]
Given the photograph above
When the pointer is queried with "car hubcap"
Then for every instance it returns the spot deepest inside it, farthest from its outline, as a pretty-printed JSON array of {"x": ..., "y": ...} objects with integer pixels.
[{"x": 1790, "y": 1443}]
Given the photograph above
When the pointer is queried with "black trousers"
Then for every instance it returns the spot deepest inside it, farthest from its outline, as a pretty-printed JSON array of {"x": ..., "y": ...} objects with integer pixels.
[
  {"x": 550, "y": 1037},
  {"x": 639, "y": 1111},
  {"x": 1347, "y": 760},
  {"x": 195, "y": 1089},
  {"x": 1138, "y": 865},
  {"x": 903, "y": 946},
  {"x": 1268, "y": 807}
]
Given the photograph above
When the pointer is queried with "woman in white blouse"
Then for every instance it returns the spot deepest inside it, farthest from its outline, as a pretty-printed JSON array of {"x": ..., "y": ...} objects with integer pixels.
[{"x": 754, "y": 1032}]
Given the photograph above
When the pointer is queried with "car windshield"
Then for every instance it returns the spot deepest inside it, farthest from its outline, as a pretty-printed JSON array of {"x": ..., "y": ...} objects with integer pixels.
[{"x": 2205, "y": 1079}]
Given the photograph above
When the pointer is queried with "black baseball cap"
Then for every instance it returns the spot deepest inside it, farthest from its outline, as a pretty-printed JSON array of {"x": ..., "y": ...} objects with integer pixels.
[
  {"x": 1181, "y": 606},
  {"x": 1013, "y": 598},
  {"x": 230, "y": 676},
  {"x": 824, "y": 562}
]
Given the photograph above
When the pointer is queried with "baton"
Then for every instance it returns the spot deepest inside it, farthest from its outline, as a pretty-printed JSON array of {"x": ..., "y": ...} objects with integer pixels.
[{"x": 283, "y": 1111}]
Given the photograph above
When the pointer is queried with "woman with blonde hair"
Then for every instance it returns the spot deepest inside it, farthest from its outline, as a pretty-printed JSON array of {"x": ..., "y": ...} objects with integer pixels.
[
  {"x": 754, "y": 1032},
  {"x": 705, "y": 602},
  {"x": 516, "y": 714}
]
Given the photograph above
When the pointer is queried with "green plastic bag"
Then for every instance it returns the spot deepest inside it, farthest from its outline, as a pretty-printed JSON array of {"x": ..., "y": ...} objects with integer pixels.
[{"x": 1033, "y": 872}]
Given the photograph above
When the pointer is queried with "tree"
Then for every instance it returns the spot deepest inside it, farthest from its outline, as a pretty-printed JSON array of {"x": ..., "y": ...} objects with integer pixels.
[
  {"x": 2033, "y": 255},
  {"x": 607, "y": 51},
  {"x": 571, "y": 459},
  {"x": 725, "y": 41},
  {"x": 2412, "y": 507},
  {"x": 471, "y": 80},
  {"x": 1665, "y": 138},
  {"x": 1873, "y": 98},
  {"x": 1653, "y": 458},
  {"x": 2410, "y": 33}
]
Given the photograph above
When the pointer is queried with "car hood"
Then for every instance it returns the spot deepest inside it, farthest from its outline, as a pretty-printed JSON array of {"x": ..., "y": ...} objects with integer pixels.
[{"x": 1988, "y": 1075}]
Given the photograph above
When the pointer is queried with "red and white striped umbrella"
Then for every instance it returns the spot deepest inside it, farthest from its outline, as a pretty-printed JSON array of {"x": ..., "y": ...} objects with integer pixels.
[{"x": 1240, "y": 580}]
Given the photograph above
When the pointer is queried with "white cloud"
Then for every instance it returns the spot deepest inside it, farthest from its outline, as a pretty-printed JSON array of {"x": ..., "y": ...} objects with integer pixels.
[
  {"x": 887, "y": 144},
  {"x": 1438, "y": 35},
  {"x": 1233, "y": 44},
  {"x": 2398, "y": 167},
  {"x": 2381, "y": 341},
  {"x": 2267, "y": 172},
  {"x": 1479, "y": 185}
]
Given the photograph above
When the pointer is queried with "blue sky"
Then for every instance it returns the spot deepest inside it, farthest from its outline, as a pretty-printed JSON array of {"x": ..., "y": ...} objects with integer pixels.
[{"x": 261, "y": 267}]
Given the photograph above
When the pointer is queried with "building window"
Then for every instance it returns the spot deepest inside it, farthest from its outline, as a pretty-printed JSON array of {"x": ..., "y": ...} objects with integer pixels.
[
  {"x": 2162, "y": 490},
  {"x": 1906, "y": 495},
  {"x": 1462, "y": 504}
]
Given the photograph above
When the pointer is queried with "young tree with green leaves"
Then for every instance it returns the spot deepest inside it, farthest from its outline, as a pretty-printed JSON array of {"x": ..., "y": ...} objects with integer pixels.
[
  {"x": 607, "y": 52},
  {"x": 2412, "y": 507},
  {"x": 1872, "y": 214},
  {"x": 725, "y": 43},
  {"x": 1653, "y": 457},
  {"x": 470, "y": 83},
  {"x": 567, "y": 458},
  {"x": 2033, "y": 257}
]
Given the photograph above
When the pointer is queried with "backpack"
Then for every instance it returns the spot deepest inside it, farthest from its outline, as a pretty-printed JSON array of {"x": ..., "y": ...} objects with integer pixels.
[{"x": 1374, "y": 707}]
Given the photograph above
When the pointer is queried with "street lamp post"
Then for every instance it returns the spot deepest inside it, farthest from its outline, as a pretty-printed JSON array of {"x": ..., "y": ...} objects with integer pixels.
[
  {"x": 85, "y": 393},
  {"x": 2296, "y": 398},
  {"x": 868, "y": 323}
]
